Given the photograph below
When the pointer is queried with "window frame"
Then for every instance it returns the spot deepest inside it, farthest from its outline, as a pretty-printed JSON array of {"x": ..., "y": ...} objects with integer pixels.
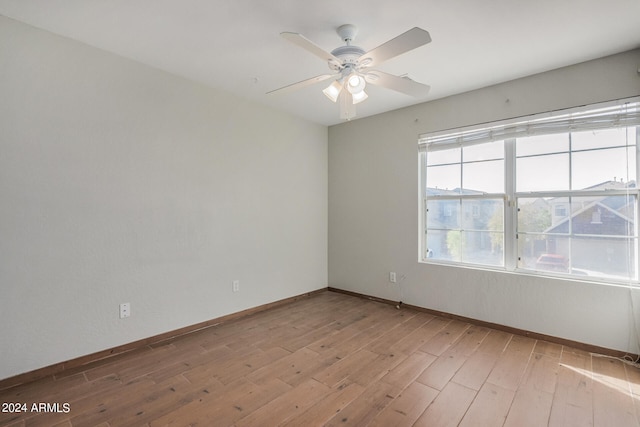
[{"x": 511, "y": 234}]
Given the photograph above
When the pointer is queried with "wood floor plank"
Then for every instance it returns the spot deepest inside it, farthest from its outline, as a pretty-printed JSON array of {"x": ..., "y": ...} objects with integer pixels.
[
  {"x": 572, "y": 404},
  {"x": 408, "y": 370},
  {"x": 335, "y": 359},
  {"x": 475, "y": 370},
  {"x": 234, "y": 366},
  {"x": 612, "y": 400},
  {"x": 159, "y": 361},
  {"x": 510, "y": 368},
  {"x": 407, "y": 407},
  {"x": 234, "y": 405},
  {"x": 320, "y": 413},
  {"x": 448, "y": 408},
  {"x": 292, "y": 368},
  {"x": 548, "y": 349},
  {"x": 309, "y": 337},
  {"x": 392, "y": 336},
  {"x": 530, "y": 408},
  {"x": 533, "y": 400},
  {"x": 419, "y": 337},
  {"x": 440, "y": 372},
  {"x": 138, "y": 364},
  {"x": 188, "y": 362},
  {"x": 225, "y": 404},
  {"x": 382, "y": 325},
  {"x": 495, "y": 342},
  {"x": 345, "y": 367},
  {"x": 376, "y": 369},
  {"x": 361, "y": 332},
  {"x": 442, "y": 340},
  {"x": 362, "y": 339},
  {"x": 214, "y": 362},
  {"x": 160, "y": 399},
  {"x": 489, "y": 408},
  {"x": 241, "y": 367},
  {"x": 288, "y": 405},
  {"x": 362, "y": 410},
  {"x": 541, "y": 373},
  {"x": 478, "y": 366},
  {"x": 103, "y": 406},
  {"x": 470, "y": 340},
  {"x": 633, "y": 376}
]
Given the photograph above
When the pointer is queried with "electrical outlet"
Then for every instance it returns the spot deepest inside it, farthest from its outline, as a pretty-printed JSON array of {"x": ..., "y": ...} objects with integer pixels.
[
  {"x": 235, "y": 286},
  {"x": 392, "y": 277},
  {"x": 125, "y": 310}
]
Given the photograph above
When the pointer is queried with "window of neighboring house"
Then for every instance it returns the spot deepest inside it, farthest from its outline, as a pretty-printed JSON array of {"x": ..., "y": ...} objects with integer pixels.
[
  {"x": 561, "y": 211},
  {"x": 556, "y": 195}
]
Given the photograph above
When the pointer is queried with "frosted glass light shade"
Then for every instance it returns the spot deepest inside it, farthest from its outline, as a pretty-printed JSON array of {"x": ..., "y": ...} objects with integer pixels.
[
  {"x": 333, "y": 90},
  {"x": 355, "y": 83},
  {"x": 358, "y": 97}
]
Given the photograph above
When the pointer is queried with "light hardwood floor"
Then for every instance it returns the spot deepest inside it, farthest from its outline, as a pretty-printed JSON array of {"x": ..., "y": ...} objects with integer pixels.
[{"x": 333, "y": 359}]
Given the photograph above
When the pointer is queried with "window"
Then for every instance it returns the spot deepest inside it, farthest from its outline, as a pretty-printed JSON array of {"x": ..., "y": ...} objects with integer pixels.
[
  {"x": 467, "y": 184},
  {"x": 560, "y": 210},
  {"x": 554, "y": 195}
]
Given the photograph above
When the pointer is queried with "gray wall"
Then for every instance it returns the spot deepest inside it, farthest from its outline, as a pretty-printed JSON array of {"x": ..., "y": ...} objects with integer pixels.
[
  {"x": 373, "y": 211},
  {"x": 121, "y": 183}
]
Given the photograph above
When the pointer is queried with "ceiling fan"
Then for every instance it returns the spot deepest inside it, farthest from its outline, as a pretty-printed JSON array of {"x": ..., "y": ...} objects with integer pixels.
[{"x": 351, "y": 67}]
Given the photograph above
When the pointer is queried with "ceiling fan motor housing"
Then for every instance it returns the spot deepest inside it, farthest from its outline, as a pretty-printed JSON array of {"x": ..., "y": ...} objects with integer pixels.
[{"x": 347, "y": 54}]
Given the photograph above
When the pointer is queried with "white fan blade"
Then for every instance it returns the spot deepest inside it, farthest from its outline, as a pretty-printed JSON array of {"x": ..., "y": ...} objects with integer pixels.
[
  {"x": 310, "y": 46},
  {"x": 399, "y": 84},
  {"x": 303, "y": 83},
  {"x": 405, "y": 42}
]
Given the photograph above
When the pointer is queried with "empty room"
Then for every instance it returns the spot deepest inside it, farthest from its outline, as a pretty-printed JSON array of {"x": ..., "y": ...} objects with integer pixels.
[{"x": 262, "y": 213}]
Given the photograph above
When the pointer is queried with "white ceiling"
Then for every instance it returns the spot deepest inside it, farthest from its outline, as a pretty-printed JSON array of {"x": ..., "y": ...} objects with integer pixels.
[{"x": 235, "y": 45}]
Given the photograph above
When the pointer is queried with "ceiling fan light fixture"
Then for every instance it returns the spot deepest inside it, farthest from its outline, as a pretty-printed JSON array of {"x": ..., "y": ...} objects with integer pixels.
[
  {"x": 355, "y": 83},
  {"x": 333, "y": 90},
  {"x": 358, "y": 97},
  {"x": 350, "y": 65}
]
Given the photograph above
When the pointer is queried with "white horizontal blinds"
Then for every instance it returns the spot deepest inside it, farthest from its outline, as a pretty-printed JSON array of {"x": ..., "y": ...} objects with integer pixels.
[{"x": 621, "y": 115}]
